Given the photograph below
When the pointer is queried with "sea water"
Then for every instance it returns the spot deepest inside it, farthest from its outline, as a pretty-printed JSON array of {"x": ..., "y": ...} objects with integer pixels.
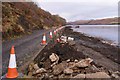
[{"x": 107, "y": 32}]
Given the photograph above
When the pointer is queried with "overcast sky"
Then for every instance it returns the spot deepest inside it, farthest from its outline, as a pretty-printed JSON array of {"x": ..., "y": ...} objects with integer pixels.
[{"x": 73, "y": 10}]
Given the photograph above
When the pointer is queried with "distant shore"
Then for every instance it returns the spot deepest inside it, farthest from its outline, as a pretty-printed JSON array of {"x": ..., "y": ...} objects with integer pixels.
[{"x": 104, "y": 21}]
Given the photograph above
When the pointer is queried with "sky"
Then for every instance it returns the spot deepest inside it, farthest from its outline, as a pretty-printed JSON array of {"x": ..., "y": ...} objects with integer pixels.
[{"x": 73, "y": 10}]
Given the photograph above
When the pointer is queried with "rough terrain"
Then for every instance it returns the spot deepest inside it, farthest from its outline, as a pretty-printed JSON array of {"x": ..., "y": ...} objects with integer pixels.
[{"x": 79, "y": 57}]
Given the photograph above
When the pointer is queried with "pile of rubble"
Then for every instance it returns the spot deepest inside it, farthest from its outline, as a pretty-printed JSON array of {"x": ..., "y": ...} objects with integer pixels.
[
  {"x": 56, "y": 67},
  {"x": 67, "y": 69}
]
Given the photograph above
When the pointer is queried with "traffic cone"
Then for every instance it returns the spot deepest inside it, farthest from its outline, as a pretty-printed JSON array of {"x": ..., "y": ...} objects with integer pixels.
[
  {"x": 51, "y": 35},
  {"x": 58, "y": 40},
  {"x": 12, "y": 71},
  {"x": 44, "y": 39},
  {"x": 55, "y": 32}
]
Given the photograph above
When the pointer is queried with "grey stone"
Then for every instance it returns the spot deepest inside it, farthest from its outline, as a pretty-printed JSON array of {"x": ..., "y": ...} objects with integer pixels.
[
  {"x": 63, "y": 39},
  {"x": 68, "y": 60},
  {"x": 75, "y": 60},
  {"x": 31, "y": 66},
  {"x": 54, "y": 57},
  {"x": 36, "y": 67},
  {"x": 59, "y": 68},
  {"x": 39, "y": 71},
  {"x": 68, "y": 71},
  {"x": 71, "y": 65},
  {"x": 97, "y": 75},
  {"x": 84, "y": 62},
  {"x": 115, "y": 75},
  {"x": 79, "y": 76}
]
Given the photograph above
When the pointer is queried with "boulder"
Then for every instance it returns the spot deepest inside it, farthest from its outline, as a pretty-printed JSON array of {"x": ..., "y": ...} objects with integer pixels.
[
  {"x": 30, "y": 67},
  {"x": 36, "y": 67},
  {"x": 84, "y": 63},
  {"x": 71, "y": 65},
  {"x": 79, "y": 76},
  {"x": 59, "y": 68},
  {"x": 30, "y": 73},
  {"x": 115, "y": 75},
  {"x": 39, "y": 71},
  {"x": 61, "y": 76},
  {"x": 97, "y": 75},
  {"x": 68, "y": 60},
  {"x": 44, "y": 76},
  {"x": 63, "y": 38},
  {"x": 54, "y": 57},
  {"x": 75, "y": 60},
  {"x": 68, "y": 71}
]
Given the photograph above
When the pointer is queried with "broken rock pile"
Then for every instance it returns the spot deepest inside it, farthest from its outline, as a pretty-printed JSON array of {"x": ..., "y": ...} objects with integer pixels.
[
  {"x": 64, "y": 61},
  {"x": 67, "y": 69}
]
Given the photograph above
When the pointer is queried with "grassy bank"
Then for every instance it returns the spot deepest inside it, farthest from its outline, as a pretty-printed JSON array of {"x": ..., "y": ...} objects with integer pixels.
[{"x": 19, "y": 18}]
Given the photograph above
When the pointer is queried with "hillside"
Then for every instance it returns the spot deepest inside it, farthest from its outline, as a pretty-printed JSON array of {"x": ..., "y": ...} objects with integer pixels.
[
  {"x": 107, "y": 21},
  {"x": 19, "y": 18}
]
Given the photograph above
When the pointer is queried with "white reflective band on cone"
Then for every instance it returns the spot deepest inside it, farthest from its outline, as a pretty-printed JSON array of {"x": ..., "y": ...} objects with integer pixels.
[
  {"x": 50, "y": 33},
  {"x": 44, "y": 38},
  {"x": 12, "y": 62}
]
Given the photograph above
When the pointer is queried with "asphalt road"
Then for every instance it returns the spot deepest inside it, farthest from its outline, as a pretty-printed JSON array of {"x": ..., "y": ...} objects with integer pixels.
[{"x": 25, "y": 48}]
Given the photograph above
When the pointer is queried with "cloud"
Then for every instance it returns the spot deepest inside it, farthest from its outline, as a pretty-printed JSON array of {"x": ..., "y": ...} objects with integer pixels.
[
  {"x": 87, "y": 9},
  {"x": 90, "y": 1}
]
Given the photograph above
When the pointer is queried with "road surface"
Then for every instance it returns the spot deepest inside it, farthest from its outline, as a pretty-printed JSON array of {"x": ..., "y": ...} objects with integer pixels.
[{"x": 25, "y": 48}]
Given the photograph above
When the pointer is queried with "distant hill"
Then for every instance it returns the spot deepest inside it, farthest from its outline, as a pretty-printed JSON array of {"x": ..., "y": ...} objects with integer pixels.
[
  {"x": 20, "y": 18},
  {"x": 107, "y": 21}
]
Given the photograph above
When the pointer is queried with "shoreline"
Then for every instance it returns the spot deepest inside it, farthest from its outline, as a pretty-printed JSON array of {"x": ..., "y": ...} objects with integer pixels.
[
  {"x": 95, "y": 43},
  {"x": 106, "y": 41}
]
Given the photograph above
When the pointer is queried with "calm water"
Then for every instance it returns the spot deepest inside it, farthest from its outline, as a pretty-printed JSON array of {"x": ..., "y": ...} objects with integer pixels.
[{"x": 106, "y": 32}]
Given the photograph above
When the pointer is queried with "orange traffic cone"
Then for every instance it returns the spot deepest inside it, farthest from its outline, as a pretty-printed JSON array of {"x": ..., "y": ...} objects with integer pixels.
[
  {"x": 55, "y": 32},
  {"x": 51, "y": 35},
  {"x": 44, "y": 39},
  {"x": 12, "y": 71},
  {"x": 58, "y": 40}
]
